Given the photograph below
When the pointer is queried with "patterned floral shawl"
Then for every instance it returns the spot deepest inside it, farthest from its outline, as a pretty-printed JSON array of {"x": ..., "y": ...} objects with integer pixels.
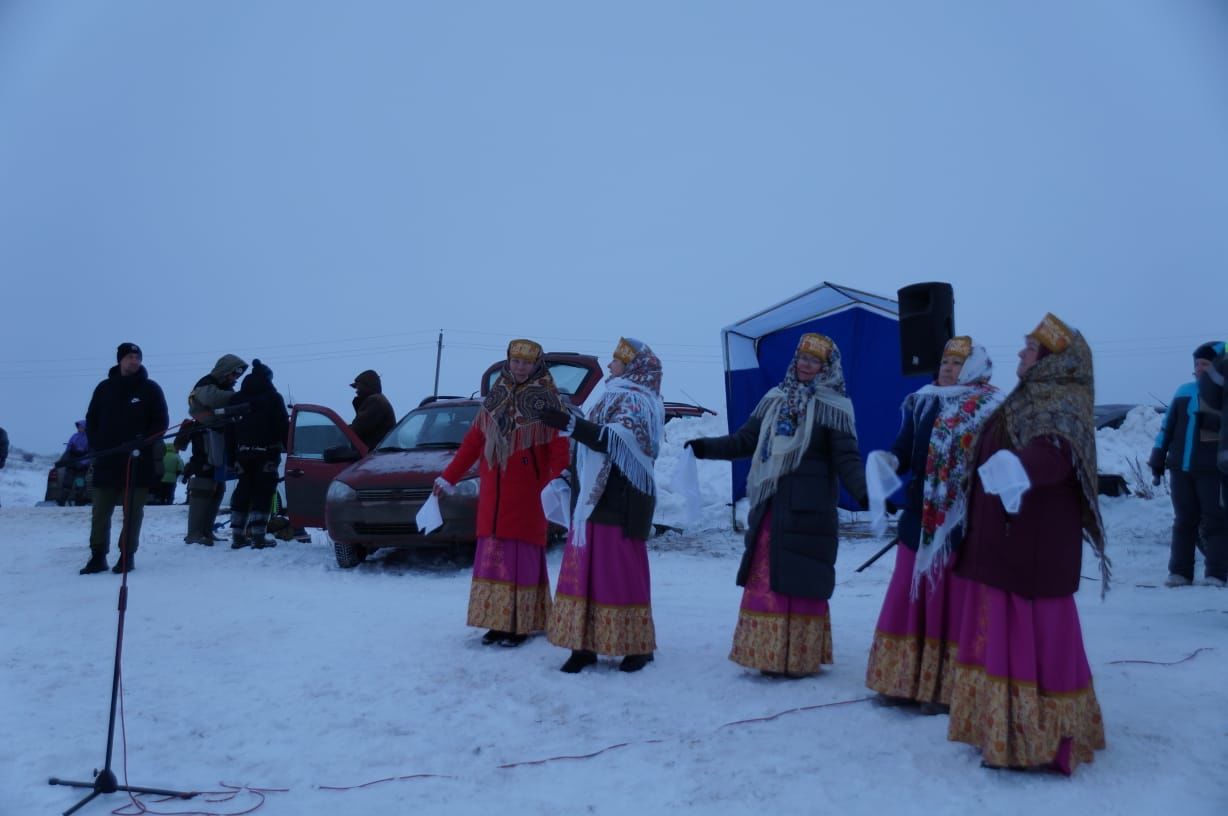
[
  {"x": 1055, "y": 397},
  {"x": 632, "y": 417},
  {"x": 510, "y": 416},
  {"x": 788, "y": 414},
  {"x": 963, "y": 407}
]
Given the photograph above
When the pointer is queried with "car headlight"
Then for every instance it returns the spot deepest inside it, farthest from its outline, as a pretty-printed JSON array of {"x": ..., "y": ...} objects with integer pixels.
[
  {"x": 339, "y": 491},
  {"x": 467, "y": 487}
]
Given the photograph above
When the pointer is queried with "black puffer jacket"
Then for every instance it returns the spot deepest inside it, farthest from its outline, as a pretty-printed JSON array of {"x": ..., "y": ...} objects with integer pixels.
[
  {"x": 122, "y": 410},
  {"x": 804, "y": 535},
  {"x": 263, "y": 429},
  {"x": 620, "y": 505}
]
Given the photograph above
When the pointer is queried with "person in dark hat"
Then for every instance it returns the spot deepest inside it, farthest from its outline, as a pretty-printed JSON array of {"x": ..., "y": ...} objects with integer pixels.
[
  {"x": 260, "y": 439},
  {"x": 125, "y": 421},
  {"x": 373, "y": 414},
  {"x": 1187, "y": 447}
]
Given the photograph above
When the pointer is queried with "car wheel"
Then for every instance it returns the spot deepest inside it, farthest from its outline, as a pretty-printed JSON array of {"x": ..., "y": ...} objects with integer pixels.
[{"x": 349, "y": 555}]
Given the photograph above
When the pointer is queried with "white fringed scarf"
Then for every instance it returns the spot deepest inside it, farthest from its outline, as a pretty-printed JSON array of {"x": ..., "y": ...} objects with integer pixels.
[
  {"x": 788, "y": 414},
  {"x": 632, "y": 419}
]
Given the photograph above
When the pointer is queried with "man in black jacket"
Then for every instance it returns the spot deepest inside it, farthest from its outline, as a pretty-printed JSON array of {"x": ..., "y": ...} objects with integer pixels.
[
  {"x": 125, "y": 422},
  {"x": 260, "y": 439},
  {"x": 1187, "y": 446}
]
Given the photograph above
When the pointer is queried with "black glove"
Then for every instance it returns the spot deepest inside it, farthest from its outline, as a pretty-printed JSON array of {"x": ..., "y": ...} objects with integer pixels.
[
  {"x": 892, "y": 507},
  {"x": 1156, "y": 463},
  {"x": 555, "y": 418},
  {"x": 699, "y": 447}
]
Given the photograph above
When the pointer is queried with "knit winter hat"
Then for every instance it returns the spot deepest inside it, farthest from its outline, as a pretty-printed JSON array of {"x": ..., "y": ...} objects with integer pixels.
[
  {"x": 128, "y": 348},
  {"x": 1209, "y": 351},
  {"x": 261, "y": 370}
]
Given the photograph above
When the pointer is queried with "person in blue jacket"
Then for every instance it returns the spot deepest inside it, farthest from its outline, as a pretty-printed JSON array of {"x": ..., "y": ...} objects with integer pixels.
[{"x": 1187, "y": 446}]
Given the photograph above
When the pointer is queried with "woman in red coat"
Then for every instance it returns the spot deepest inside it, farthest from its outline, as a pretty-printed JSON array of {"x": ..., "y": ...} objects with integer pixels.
[
  {"x": 510, "y": 592},
  {"x": 1023, "y": 689}
]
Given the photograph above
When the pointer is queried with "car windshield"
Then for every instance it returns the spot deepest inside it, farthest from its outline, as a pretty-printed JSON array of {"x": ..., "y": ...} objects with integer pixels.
[{"x": 435, "y": 426}]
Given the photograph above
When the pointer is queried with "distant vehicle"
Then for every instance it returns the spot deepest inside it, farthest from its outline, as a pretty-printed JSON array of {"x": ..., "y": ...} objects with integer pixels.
[{"x": 368, "y": 500}]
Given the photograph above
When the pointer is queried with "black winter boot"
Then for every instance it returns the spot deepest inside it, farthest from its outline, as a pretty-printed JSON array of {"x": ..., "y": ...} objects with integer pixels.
[
  {"x": 238, "y": 533},
  {"x": 258, "y": 531},
  {"x": 97, "y": 563},
  {"x": 126, "y": 563},
  {"x": 578, "y": 660},
  {"x": 633, "y": 663}
]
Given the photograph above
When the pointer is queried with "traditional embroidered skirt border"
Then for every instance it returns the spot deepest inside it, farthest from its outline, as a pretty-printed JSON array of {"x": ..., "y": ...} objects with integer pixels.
[
  {"x": 916, "y": 641},
  {"x": 510, "y": 590},
  {"x": 779, "y": 633},
  {"x": 604, "y": 598},
  {"x": 1023, "y": 690}
]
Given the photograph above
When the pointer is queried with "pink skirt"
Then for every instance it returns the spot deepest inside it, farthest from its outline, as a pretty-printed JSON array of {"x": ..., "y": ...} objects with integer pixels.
[
  {"x": 510, "y": 590},
  {"x": 779, "y": 633},
  {"x": 1023, "y": 688},
  {"x": 916, "y": 641},
  {"x": 604, "y": 598}
]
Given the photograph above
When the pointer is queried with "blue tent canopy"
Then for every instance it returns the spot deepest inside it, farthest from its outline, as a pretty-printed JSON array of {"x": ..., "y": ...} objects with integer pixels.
[{"x": 864, "y": 326}]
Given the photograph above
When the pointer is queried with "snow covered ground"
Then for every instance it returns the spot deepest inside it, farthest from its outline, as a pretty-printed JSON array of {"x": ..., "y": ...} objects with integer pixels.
[{"x": 280, "y": 674}]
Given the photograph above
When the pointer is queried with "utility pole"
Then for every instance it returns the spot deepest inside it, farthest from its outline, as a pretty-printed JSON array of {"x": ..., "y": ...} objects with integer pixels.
[{"x": 438, "y": 355}]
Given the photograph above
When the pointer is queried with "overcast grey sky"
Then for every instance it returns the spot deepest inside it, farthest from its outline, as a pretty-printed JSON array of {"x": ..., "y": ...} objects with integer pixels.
[{"x": 327, "y": 185}]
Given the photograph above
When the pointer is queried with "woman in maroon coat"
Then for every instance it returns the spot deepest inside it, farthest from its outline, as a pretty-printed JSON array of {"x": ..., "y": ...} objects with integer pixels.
[
  {"x": 510, "y": 592},
  {"x": 1023, "y": 689}
]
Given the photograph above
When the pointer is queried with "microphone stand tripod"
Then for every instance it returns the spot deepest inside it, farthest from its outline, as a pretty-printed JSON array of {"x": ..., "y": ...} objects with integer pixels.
[{"x": 105, "y": 780}]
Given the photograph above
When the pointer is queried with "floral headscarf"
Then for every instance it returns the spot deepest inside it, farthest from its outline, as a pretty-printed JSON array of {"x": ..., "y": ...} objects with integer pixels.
[
  {"x": 510, "y": 417},
  {"x": 632, "y": 417},
  {"x": 788, "y": 414},
  {"x": 963, "y": 407}
]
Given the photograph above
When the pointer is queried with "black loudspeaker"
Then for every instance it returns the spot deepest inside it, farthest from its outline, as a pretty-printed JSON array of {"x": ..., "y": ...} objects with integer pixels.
[{"x": 927, "y": 322}]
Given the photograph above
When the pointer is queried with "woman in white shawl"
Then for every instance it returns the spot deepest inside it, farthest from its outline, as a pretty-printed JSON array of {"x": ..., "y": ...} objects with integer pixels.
[
  {"x": 603, "y": 604},
  {"x": 801, "y": 438},
  {"x": 912, "y": 658}
]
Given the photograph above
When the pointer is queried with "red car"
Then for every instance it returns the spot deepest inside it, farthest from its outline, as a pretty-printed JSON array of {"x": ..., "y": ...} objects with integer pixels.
[{"x": 367, "y": 500}]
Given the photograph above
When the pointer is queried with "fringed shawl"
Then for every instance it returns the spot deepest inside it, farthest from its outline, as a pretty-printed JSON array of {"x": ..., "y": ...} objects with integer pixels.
[
  {"x": 963, "y": 408},
  {"x": 632, "y": 419},
  {"x": 788, "y": 414},
  {"x": 510, "y": 416},
  {"x": 1055, "y": 397}
]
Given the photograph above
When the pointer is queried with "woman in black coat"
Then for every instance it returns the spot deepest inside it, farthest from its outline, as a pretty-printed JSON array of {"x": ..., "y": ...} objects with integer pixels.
[{"x": 802, "y": 438}]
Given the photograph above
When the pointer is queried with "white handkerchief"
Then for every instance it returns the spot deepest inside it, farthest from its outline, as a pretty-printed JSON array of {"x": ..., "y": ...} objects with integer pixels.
[
  {"x": 881, "y": 482},
  {"x": 429, "y": 519},
  {"x": 685, "y": 483},
  {"x": 1003, "y": 475},
  {"x": 556, "y": 502}
]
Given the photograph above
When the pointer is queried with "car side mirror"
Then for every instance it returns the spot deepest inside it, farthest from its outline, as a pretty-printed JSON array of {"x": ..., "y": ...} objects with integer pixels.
[{"x": 341, "y": 453}]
